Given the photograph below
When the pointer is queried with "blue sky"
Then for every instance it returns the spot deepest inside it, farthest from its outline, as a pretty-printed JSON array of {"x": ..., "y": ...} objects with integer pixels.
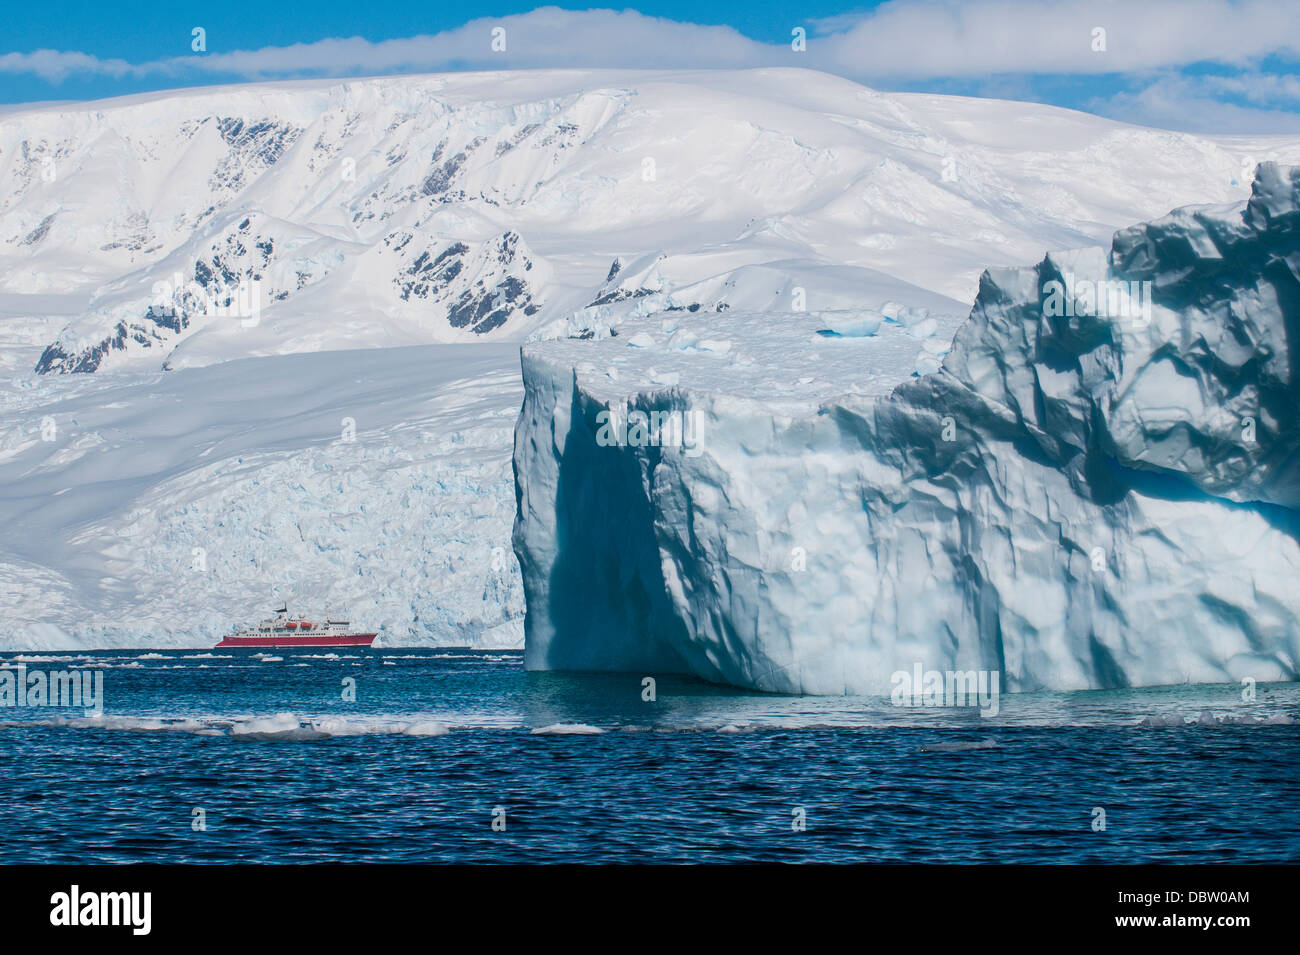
[{"x": 1200, "y": 65}]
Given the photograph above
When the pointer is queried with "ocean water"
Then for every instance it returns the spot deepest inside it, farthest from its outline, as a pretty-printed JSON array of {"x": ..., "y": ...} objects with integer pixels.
[{"x": 229, "y": 756}]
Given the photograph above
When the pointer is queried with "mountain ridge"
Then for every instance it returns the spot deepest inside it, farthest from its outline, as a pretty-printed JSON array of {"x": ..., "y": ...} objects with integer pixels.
[{"x": 785, "y": 173}]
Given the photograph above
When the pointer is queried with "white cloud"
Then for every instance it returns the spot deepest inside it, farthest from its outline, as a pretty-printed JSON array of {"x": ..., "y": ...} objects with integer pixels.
[
  {"x": 55, "y": 66},
  {"x": 1189, "y": 104},
  {"x": 903, "y": 41},
  {"x": 914, "y": 39},
  {"x": 547, "y": 37},
  {"x": 1262, "y": 88}
]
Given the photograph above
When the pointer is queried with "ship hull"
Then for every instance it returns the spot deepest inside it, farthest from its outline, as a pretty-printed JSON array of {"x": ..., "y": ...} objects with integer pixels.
[{"x": 288, "y": 642}]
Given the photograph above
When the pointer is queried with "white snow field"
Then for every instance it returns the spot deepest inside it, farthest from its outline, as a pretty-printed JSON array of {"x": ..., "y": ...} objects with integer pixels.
[
  {"x": 1097, "y": 489},
  {"x": 439, "y": 211}
]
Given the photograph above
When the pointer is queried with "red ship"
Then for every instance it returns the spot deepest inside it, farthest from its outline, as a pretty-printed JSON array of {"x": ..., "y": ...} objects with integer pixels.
[{"x": 285, "y": 631}]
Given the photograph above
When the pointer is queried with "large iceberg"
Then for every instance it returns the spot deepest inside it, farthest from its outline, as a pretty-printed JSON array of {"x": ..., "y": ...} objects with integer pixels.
[{"x": 1091, "y": 482}]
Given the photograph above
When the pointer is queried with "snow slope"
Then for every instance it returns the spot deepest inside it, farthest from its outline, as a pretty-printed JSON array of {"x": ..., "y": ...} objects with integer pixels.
[
  {"x": 456, "y": 207},
  {"x": 1096, "y": 495}
]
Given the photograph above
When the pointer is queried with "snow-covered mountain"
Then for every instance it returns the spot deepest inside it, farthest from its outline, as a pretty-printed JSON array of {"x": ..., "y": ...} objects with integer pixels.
[
  {"x": 468, "y": 206},
  {"x": 243, "y": 268},
  {"x": 1099, "y": 487}
]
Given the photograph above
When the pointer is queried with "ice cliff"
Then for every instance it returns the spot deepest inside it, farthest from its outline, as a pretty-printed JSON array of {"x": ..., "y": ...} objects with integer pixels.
[{"x": 1092, "y": 483}]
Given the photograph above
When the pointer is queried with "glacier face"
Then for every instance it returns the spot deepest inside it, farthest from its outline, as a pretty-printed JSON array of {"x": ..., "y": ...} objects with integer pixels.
[
  {"x": 1096, "y": 489},
  {"x": 162, "y": 509}
]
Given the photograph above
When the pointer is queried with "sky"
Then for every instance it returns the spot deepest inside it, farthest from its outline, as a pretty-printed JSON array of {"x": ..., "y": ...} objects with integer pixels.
[{"x": 1207, "y": 66}]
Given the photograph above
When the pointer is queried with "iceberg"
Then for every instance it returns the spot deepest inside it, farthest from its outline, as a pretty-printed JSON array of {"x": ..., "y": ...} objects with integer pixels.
[{"x": 1097, "y": 487}]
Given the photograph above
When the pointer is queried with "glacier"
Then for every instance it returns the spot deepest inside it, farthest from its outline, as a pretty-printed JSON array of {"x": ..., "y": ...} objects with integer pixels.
[
  {"x": 1090, "y": 482},
  {"x": 155, "y": 509}
]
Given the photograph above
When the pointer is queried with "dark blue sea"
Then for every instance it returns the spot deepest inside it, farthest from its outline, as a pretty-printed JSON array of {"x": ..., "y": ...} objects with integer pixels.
[{"x": 226, "y": 756}]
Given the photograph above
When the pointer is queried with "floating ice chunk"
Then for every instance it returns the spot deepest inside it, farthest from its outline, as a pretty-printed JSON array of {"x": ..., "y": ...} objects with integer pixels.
[
  {"x": 1168, "y": 719},
  {"x": 927, "y": 364},
  {"x": 277, "y": 723},
  {"x": 853, "y": 324},
  {"x": 426, "y": 728},
  {"x": 720, "y": 347},
  {"x": 641, "y": 340},
  {"x": 337, "y": 726},
  {"x": 664, "y": 377},
  {"x": 683, "y": 340},
  {"x": 567, "y": 729},
  {"x": 279, "y": 726},
  {"x": 131, "y": 724}
]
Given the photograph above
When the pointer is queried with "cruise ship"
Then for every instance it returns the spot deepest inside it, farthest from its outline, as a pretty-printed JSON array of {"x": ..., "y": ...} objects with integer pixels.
[{"x": 298, "y": 631}]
